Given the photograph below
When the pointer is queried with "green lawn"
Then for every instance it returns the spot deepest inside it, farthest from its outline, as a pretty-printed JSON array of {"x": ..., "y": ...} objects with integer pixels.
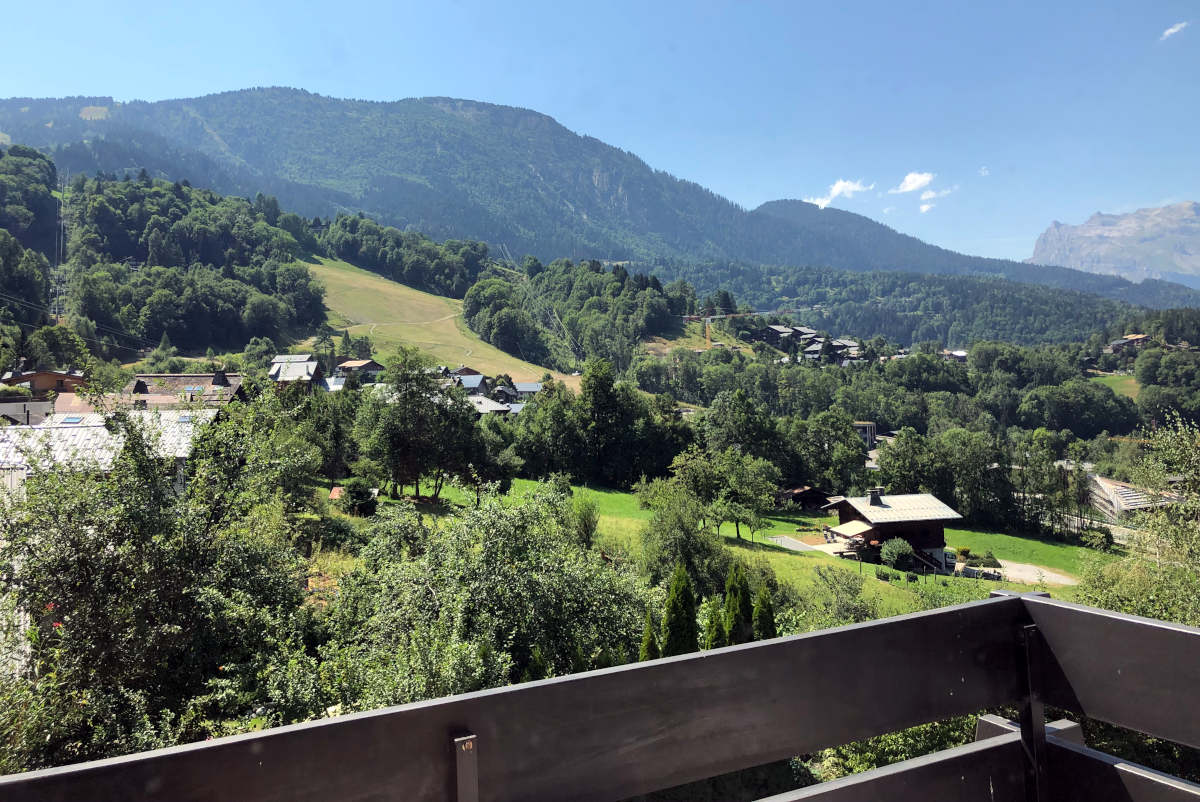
[
  {"x": 1121, "y": 385},
  {"x": 1060, "y": 557}
]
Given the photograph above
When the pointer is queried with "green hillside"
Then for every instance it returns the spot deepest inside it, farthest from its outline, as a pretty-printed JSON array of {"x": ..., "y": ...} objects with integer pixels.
[{"x": 391, "y": 314}]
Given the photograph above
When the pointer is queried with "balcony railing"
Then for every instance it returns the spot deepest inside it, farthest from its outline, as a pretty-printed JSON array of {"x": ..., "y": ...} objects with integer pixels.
[{"x": 619, "y": 732}]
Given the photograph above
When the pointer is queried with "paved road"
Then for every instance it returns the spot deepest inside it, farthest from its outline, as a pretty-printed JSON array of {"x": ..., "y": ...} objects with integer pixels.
[{"x": 790, "y": 543}]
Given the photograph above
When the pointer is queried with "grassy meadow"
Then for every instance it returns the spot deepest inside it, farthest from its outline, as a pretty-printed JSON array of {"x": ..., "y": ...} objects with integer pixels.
[
  {"x": 1121, "y": 385},
  {"x": 391, "y": 314}
]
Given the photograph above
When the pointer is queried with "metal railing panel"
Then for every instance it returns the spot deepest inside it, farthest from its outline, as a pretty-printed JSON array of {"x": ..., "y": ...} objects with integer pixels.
[
  {"x": 1134, "y": 672},
  {"x": 1080, "y": 774},
  {"x": 603, "y": 735},
  {"x": 991, "y": 769}
]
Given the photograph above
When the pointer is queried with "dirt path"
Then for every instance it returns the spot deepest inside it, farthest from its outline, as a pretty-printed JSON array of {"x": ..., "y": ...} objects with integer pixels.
[{"x": 1034, "y": 574}]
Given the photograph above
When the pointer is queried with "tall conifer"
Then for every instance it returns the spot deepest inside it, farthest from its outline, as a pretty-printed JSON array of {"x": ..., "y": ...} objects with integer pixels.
[
  {"x": 679, "y": 622},
  {"x": 739, "y": 609},
  {"x": 764, "y": 616},
  {"x": 649, "y": 650}
]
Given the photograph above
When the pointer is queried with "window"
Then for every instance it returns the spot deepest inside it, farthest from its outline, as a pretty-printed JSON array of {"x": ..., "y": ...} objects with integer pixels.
[
  {"x": 186, "y": 418},
  {"x": 72, "y": 419}
]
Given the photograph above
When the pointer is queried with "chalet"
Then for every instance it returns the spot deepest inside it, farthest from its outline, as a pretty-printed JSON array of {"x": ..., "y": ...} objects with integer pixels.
[
  {"x": 163, "y": 390},
  {"x": 504, "y": 394},
  {"x": 954, "y": 356},
  {"x": 43, "y": 382},
  {"x": 1129, "y": 342},
  {"x": 486, "y": 406},
  {"x": 463, "y": 370},
  {"x": 919, "y": 518},
  {"x": 367, "y": 370},
  {"x": 290, "y": 369},
  {"x": 777, "y": 336},
  {"x": 473, "y": 383},
  {"x": 527, "y": 390},
  {"x": 85, "y": 443}
]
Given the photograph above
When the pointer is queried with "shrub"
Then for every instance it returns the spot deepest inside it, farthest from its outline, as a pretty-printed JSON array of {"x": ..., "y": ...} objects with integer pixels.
[
  {"x": 884, "y": 574},
  {"x": 339, "y": 533},
  {"x": 989, "y": 560},
  {"x": 1099, "y": 538},
  {"x": 896, "y": 553},
  {"x": 9, "y": 392},
  {"x": 912, "y": 577},
  {"x": 963, "y": 553},
  {"x": 358, "y": 498}
]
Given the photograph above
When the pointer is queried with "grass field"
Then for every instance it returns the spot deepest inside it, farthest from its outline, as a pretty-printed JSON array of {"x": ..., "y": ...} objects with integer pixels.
[
  {"x": 1060, "y": 557},
  {"x": 391, "y": 313},
  {"x": 1121, "y": 385}
]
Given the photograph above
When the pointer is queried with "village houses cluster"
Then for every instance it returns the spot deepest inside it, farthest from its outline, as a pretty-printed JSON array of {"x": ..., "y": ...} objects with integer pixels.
[{"x": 55, "y": 424}]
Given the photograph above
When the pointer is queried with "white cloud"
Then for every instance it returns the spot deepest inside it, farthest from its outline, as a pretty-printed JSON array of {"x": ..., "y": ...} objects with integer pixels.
[
  {"x": 984, "y": 172},
  {"x": 912, "y": 182},
  {"x": 1174, "y": 29},
  {"x": 840, "y": 189},
  {"x": 930, "y": 194},
  {"x": 889, "y": 209},
  {"x": 926, "y": 207}
]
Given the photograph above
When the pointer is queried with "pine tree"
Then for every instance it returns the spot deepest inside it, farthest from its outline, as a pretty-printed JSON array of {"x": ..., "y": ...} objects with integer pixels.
[
  {"x": 739, "y": 610},
  {"x": 649, "y": 650},
  {"x": 346, "y": 346},
  {"x": 714, "y": 631},
  {"x": 764, "y": 616},
  {"x": 680, "y": 633}
]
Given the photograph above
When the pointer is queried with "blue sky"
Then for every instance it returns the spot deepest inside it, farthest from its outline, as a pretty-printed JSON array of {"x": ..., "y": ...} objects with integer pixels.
[{"x": 1019, "y": 114}]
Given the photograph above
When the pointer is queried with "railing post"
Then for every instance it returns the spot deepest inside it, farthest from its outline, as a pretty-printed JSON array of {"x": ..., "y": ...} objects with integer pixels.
[
  {"x": 1033, "y": 715},
  {"x": 467, "y": 768}
]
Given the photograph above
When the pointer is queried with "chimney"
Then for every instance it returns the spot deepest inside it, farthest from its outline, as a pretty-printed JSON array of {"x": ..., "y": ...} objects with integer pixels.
[{"x": 874, "y": 496}]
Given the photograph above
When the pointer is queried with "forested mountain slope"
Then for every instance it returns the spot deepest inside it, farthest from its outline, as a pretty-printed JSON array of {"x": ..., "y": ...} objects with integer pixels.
[{"x": 463, "y": 169}]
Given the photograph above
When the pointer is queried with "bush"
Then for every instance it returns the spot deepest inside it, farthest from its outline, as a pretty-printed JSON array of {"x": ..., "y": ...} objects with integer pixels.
[
  {"x": 358, "y": 498},
  {"x": 334, "y": 532},
  {"x": 1100, "y": 538},
  {"x": 963, "y": 553},
  {"x": 896, "y": 553},
  {"x": 9, "y": 392},
  {"x": 884, "y": 574},
  {"x": 989, "y": 561},
  {"x": 912, "y": 577}
]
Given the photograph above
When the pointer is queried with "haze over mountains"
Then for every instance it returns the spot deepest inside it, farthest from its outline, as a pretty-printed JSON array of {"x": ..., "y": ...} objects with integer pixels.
[
  {"x": 1163, "y": 242},
  {"x": 509, "y": 176}
]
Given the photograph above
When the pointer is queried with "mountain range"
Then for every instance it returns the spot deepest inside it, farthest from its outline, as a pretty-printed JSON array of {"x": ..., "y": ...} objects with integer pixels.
[
  {"x": 1162, "y": 243},
  {"x": 513, "y": 177}
]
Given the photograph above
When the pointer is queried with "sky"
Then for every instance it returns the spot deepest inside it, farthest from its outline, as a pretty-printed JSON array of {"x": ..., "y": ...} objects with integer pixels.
[{"x": 969, "y": 125}]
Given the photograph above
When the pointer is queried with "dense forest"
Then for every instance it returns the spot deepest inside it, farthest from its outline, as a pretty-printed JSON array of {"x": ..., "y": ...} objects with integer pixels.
[
  {"x": 449, "y": 268},
  {"x": 563, "y": 313},
  {"x": 148, "y": 259},
  {"x": 459, "y": 169}
]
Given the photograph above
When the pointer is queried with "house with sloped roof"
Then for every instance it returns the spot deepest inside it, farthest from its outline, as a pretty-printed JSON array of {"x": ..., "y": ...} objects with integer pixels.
[
  {"x": 867, "y": 522},
  {"x": 367, "y": 370},
  {"x": 291, "y": 369},
  {"x": 156, "y": 390},
  {"x": 84, "y": 442},
  {"x": 527, "y": 390},
  {"x": 41, "y": 383}
]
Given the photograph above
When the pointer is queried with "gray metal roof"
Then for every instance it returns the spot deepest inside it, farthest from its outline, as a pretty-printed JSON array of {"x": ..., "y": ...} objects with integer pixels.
[
  {"x": 909, "y": 507},
  {"x": 292, "y": 371},
  {"x": 282, "y": 358},
  {"x": 528, "y": 387},
  {"x": 83, "y": 441}
]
